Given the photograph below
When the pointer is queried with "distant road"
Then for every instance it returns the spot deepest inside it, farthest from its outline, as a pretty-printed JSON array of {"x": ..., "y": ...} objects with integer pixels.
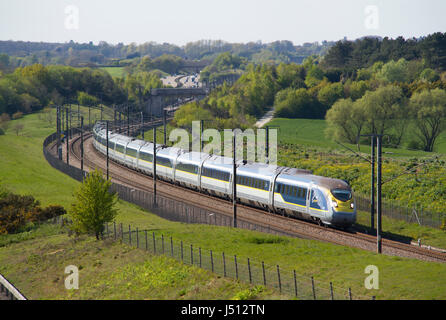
[
  {"x": 190, "y": 81},
  {"x": 266, "y": 118}
]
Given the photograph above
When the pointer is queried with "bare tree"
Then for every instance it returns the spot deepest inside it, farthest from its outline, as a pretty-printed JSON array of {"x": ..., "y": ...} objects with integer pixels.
[{"x": 18, "y": 127}]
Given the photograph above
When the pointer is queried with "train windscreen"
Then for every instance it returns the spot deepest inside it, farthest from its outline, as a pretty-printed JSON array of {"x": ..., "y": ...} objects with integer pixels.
[{"x": 342, "y": 195}]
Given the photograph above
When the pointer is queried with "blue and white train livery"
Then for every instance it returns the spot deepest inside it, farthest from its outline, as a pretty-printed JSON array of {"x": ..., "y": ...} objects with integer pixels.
[{"x": 287, "y": 191}]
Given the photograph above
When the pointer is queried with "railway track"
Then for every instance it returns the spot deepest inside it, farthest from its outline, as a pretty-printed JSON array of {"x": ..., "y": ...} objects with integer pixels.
[{"x": 299, "y": 228}]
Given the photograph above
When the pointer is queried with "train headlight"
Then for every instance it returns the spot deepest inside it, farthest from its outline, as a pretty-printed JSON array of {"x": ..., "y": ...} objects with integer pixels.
[
  {"x": 352, "y": 205},
  {"x": 335, "y": 204}
]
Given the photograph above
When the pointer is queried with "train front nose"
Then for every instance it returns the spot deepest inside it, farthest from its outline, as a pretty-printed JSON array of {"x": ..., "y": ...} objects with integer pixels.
[{"x": 340, "y": 218}]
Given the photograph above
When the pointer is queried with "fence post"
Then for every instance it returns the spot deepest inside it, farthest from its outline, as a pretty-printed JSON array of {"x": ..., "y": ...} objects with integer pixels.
[
  {"x": 122, "y": 233},
  {"x": 130, "y": 234},
  {"x": 147, "y": 244},
  {"x": 171, "y": 246},
  {"x": 162, "y": 243},
  {"x": 224, "y": 264},
  {"x": 314, "y": 289},
  {"x": 181, "y": 250},
  {"x": 249, "y": 271},
  {"x": 199, "y": 252},
  {"x": 349, "y": 293},
  {"x": 331, "y": 291},
  {"x": 264, "y": 275},
  {"x": 212, "y": 262},
  {"x": 154, "y": 242},
  {"x": 236, "y": 267},
  {"x": 278, "y": 279},
  {"x": 191, "y": 255},
  {"x": 295, "y": 283},
  {"x": 114, "y": 229}
]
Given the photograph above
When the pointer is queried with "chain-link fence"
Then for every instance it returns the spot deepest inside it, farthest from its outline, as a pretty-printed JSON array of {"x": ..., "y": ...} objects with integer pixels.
[
  {"x": 287, "y": 282},
  {"x": 395, "y": 210}
]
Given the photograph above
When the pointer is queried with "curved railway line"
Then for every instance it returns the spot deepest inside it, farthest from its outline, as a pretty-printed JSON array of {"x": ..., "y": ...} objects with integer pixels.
[{"x": 302, "y": 229}]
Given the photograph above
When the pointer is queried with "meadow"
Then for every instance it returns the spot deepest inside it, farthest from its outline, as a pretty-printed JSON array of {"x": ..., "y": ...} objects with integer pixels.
[{"x": 35, "y": 261}]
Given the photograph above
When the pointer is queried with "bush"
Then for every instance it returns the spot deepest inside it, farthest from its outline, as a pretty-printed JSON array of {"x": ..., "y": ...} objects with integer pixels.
[{"x": 16, "y": 211}]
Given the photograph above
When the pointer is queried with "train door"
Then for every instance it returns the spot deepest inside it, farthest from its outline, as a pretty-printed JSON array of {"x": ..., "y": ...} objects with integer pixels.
[{"x": 317, "y": 204}]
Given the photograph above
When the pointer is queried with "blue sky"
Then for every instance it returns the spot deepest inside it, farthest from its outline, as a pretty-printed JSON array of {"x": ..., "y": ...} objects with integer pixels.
[{"x": 181, "y": 21}]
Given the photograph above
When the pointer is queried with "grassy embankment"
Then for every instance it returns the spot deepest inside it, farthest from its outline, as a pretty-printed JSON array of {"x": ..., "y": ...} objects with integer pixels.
[{"x": 36, "y": 265}]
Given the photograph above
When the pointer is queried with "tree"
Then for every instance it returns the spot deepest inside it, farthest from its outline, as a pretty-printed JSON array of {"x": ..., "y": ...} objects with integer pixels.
[
  {"x": 329, "y": 94},
  {"x": 18, "y": 127},
  {"x": 345, "y": 121},
  {"x": 86, "y": 100},
  {"x": 394, "y": 71},
  {"x": 94, "y": 205},
  {"x": 428, "y": 108},
  {"x": 383, "y": 108}
]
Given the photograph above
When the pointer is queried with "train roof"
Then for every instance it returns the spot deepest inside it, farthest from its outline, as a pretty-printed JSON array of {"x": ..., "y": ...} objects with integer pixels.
[
  {"x": 136, "y": 144},
  {"x": 193, "y": 157},
  {"x": 169, "y": 152},
  {"x": 122, "y": 140},
  {"x": 257, "y": 169},
  {"x": 305, "y": 177},
  {"x": 219, "y": 162},
  {"x": 148, "y": 147}
]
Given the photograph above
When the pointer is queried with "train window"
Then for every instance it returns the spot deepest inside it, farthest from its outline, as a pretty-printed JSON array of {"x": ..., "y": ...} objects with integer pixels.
[
  {"x": 342, "y": 195},
  {"x": 120, "y": 148},
  {"x": 131, "y": 152},
  {"x": 146, "y": 156},
  {"x": 317, "y": 200}
]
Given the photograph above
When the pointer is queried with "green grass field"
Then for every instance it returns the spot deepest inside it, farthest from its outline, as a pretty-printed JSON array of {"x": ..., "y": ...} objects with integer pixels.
[
  {"x": 115, "y": 71},
  {"x": 311, "y": 133},
  {"x": 399, "y": 278}
]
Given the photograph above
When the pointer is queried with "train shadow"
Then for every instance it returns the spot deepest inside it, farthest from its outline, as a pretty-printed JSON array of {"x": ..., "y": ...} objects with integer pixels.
[{"x": 359, "y": 228}]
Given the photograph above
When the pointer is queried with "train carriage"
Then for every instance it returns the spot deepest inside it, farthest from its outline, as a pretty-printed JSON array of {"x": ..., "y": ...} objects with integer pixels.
[
  {"x": 132, "y": 153},
  {"x": 145, "y": 159},
  {"x": 254, "y": 181},
  {"x": 118, "y": 153},
  {"x": 188, "y": 169},
  {"x": 216, "y": 175},
  {"x": 165, "y": 162},
  {"x": 282, "y": 190}
]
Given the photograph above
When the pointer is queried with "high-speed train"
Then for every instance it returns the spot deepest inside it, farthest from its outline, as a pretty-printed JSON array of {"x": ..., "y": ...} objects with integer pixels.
[{"x": 283, "y": 190}]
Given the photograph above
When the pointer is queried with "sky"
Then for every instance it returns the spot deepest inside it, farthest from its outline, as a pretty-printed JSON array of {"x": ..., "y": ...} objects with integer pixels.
[{"x": 182, "y": 21}]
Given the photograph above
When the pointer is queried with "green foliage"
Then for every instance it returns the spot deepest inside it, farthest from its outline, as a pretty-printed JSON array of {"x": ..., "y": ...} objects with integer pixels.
[
  {"x": 428, "y": 108},
  {"x": 345, "y": 121},
  {"x": 363, "y": 53},
  {"x": 429, "y": 75},
  {"x": 29, "y": 89},
  {"x": 86, "y": 100},
  {"x": 394, "y": 71},
  {"x": 291, "y": 103},
  {"x": 329, "y": 94},
  {"x": 17, "y": 211},
  {"x": 224, "y": 65},
  {"x": 249, "y": 294},
  {"x": 94, "y": 205}
]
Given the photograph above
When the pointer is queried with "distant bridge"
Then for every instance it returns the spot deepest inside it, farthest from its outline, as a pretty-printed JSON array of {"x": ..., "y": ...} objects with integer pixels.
[{"x": 163, "y": 97}]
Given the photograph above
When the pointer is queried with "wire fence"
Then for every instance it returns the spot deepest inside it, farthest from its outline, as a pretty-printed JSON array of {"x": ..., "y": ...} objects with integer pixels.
[
  {"x": 395, "y": 210},
  {"x": 231, "y": 266}
]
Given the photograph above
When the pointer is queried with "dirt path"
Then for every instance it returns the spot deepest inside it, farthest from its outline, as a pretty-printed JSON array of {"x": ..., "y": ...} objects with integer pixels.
[{"x": 266, "y": 118}]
